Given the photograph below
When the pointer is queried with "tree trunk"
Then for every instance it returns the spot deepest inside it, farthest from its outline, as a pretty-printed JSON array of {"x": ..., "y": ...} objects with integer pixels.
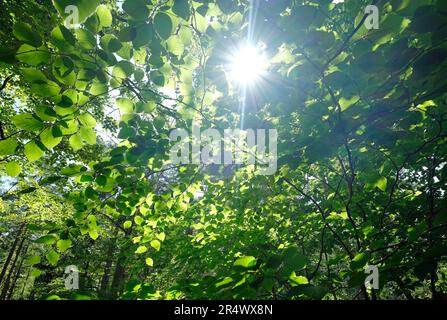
[
  {"x": 11, "y": 271},
  {"x": 118, "y": 276},
  {"x": 11, "y": 253},
  {"x": 103, "y": 289},
  {"x": 430, "y": 218},
  {"x": 24, "y": 284},
  {"x": 16, "y": 276}
]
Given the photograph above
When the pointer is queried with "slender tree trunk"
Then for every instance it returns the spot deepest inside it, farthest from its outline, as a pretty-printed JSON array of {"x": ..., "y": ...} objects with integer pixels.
[
  {"x": 11, "y": 271},
  {"x": 118, "y": 276},
  {"x": 24, "y": 284},
  {"x": 103, "y": 289},
  {"x": 430, "y": 217},
  {"x": 16, "y": 276},
  {"x": 11, "y": 253},
  {"x": 85, "y": 283}
]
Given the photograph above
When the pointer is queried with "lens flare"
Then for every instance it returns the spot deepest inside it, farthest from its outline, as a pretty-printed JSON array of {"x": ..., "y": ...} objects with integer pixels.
[{"x": 247, "y": 66}]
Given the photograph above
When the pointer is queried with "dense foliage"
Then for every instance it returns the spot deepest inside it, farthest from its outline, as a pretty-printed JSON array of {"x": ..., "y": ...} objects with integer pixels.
[{"x": 84, "y": 150}]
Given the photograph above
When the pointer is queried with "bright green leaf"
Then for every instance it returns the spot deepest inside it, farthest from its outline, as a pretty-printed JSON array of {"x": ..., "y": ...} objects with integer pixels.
[
  {"x": 27, "y": 121},
  {"x": 150, "y": 262},
  {"x": 141, "y": 249},
  {"x": 13, "y": 169},
  {"x": 88, "y": 134},
  {"x": 53, "y": 257},
  {"x": 33, "y": 152},
  {"x": 155, "y": 244},
  {"x": 245, "y": 261},
  {"x": 63, "y": 245}
]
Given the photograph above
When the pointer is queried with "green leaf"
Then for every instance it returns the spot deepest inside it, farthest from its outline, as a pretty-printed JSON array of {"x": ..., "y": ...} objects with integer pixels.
[
  {"x": 63, "y": 70},
  {"x": 86, "y": 178},
  {"x": 49, "y": 138},
  {"x": 224, "y": 282},
  {"x": 150, "y": 262},
  {"x": 98, "y": 89},
  {"x": 126, "y": 51},
  {"x": 175, "y": 45},
  {"x": 92, "y": 24},
  {"x": 161, "y": 236},
  {"x": 86, "y": 39},
  {"x": 33, "y": 56},
  {"x": 182, "y": 9},
  {"x": 346, "y": 103},
  {"x": 63, "y": 245},
  {"x": 101, "y": 180},
  {"x": 25, "y": 33},
  {"x": 298, "y": 280},
  {"x": 146, "y": 106},
  {"x": 46, "y": 113},
  {"x": 63, "y": 38},
  {"x": 69, "y": 127},
  {"x": 245, "y": 261},
  {"x": 157, "y": 77},
  {"x": 73, "y": 170},
  {"x": 36, "y": 272},
  {"x": 53, "y": 257},
  {"x": 48, "y": 239},
  {"x": 138, "y": 220},
  {"x": 33, "y": 152},
  {"x": 49, "y": 89},
  {"x": 104, "y": 16},
  {"x": 8, "y": 146},
  {"x": 32, "y": 260},
  {"x": 123, "y": 69},
  {"x": 88, "y": 134},
  {"x": 127, "y": 34},
  {"x": 185, "y": 35},
  {"x": 144, "y": 35},
  {"x": 381, "y": 183},
  {"x": 125, "y": 105},
  {"x": 87, "y": 120},
  {"x": 13, "y": 169},
  {"x": 163, "y": 25},
  {"x": 76, "y": 142},
  {"x": 155, "y": 244},
  {"x": 93, "y": 234},
  {"x": 141, "y": 249},
  {"x": 127, "y": 224},
  {"x": 28, "y": 122},
  {"x": 90, "y": 192},
  {"x": 240, "y": 282},
  {"x": 137, "y": 9}
]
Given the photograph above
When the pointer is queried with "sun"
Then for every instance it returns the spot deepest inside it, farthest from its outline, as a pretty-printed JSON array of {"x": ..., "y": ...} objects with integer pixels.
[{"x": 247, "y": 65}]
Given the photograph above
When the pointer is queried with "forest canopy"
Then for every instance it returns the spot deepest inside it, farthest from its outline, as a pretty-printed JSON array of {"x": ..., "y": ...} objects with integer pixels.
[{"x": 346, "y": 98}]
